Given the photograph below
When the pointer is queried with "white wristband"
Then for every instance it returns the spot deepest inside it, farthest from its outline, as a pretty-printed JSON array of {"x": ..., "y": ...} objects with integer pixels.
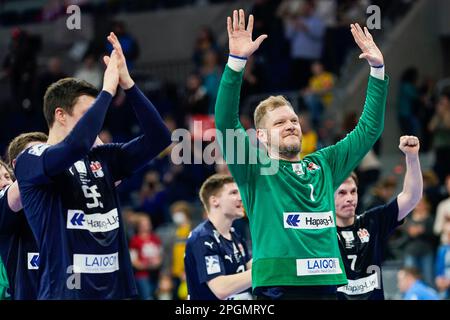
[
  {"x": 236, "y": 64},
  {"x": 377, "y": 73}
]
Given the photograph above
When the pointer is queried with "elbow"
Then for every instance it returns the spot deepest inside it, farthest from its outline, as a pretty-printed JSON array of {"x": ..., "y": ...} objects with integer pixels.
[{"x": 221, "y": 294}]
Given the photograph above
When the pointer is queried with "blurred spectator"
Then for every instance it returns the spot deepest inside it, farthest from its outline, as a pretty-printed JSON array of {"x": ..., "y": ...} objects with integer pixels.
[
  {"x": 90, "y": 71},
  {"x": 174, "y": 237},
  {"x": 251, "y": 81},
  {"x": 20, "y": 65},
  {"x": 165, "y": 287},
  {"x": 440, "y": 127},
  {"x": 204, "y": 43},
  {"x": 105, "y": 136},
  {"x": 368, "y": 172},
  {"x": 130, "y": 46},
  {"x": 408, "y": 100},
  {"x": 306, "y": 32},
  {"x": 196, "y": 100},
  {"x": 51, "y": 74},
  {"x": 432, "y": 190},
  {"x": 409, "y": 283},
  {"x": 309, "y": 136},
  {"x": 146, "y": 257},
  {"x": 318, "y": 95},
  {"x": 443, "y": 262},
  {"x": 153, "y": 199},
  {"x": 419, "y": 249},
  {"x": 442, "y": 213},
  {"x": 383, "y": 191},
  {"x": 211, "y": 72}
]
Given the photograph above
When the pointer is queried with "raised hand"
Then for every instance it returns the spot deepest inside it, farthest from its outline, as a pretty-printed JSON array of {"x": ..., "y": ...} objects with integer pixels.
[
  {"x": 369, "y": 49},
  {"x": 111, "y": 75},
  {"x": 125, "y": 80},
  {"x": 239, "y": 38},
  {"x": 409, "y": 145}
]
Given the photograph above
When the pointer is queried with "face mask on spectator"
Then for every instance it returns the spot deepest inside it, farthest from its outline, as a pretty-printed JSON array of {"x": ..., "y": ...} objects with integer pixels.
[{"x": 179, "y": 218}]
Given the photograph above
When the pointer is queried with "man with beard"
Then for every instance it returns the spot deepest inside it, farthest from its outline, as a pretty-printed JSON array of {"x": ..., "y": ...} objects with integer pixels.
[{"x": 290, "y": 202}]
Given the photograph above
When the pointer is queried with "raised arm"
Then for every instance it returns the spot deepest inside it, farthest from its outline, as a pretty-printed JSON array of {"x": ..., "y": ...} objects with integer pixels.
[
  {"x": 241, "y": 47},
  {"x": 156, "y": 137},
  {"x": 413, "y": 183},
  {"x": 347, "y": 153},
  {"x": 80, "y": 140}
]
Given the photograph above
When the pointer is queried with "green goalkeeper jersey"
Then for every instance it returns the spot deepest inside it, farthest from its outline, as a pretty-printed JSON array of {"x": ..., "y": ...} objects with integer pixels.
[
  {"x": 4, "y": 285},
  {"x": 290, "y": 205}
]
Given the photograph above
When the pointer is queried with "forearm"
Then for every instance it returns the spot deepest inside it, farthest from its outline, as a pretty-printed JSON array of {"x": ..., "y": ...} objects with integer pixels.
[
  {"x": 156, "y": 135},
  {"x": 225, "y": 286},
  {"x": 412, "y": 186},
  {"x": 14, "y": 202},
  {"x": 80, "y": 140}
]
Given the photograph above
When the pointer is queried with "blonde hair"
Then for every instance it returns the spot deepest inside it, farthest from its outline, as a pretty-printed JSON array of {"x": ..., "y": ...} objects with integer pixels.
[{"x": 269, "y": 104}]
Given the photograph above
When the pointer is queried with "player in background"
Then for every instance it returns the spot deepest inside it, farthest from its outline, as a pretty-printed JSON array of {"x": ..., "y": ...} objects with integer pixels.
[
  {"x": 290, "y": 201},
  {"x": 18, "y": 246},
  {"x": 67, "y": 186},
  {"x": 363, "y": 238},
  {"x": 217, "y": 261}
]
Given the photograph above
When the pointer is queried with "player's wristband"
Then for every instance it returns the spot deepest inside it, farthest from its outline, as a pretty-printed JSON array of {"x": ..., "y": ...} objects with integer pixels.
[
  {"x": 378, "y": 67},
  {"x": 237, "y": 57}
]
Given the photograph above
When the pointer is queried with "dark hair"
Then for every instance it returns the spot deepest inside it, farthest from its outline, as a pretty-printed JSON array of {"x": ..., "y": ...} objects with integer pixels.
[
  {"x": 212, "y": 186},
  {"x": 64, "y": 94},
  {"x": 18, "y": 144}
]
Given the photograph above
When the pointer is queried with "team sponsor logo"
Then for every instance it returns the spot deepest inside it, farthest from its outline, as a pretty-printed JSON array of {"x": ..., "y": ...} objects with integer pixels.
[
  {"x": 349, "y": 237},
  {"x": 297, "y": 167},
  {"x": 96, "y": 168},
  {"x": 318, "y": 266},
  {"x": 38, "y": 149},
  {"x": 363, "y": 235},
  {"x": 96, "y": 222},
  {"x": 241, "y": 296},
  {"x": 33, "y": 259},
  {"x": 312, "y": 166},
  {"x": 80, "y": 166},
  {"x": 95, "y": 263},
  {"x": 212, "y": 264},
  {"x": 360, "y": 286},
  {"x": 228, "y": 257},
  {"x": 308, "y": 220}
]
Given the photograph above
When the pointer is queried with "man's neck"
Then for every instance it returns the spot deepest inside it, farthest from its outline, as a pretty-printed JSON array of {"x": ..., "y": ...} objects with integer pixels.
[
  {"x": 342, "y": 223},
  {"x": 222, "y": 224},
  {"x": 55, "y": 137},
  {"x": 278, "y": 156}
]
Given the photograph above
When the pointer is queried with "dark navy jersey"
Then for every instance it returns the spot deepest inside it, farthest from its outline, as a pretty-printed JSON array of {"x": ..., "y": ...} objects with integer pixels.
[
  {"x": 18, "y": 251},
  {"x": 362, "y": 246},
  {"x": 209, "y": 255},
  {"x": 75, "y": 218}
]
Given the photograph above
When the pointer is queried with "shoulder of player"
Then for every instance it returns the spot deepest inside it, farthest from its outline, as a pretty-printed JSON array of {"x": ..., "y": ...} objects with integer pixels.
[
  {"x": 33, "y": 152},
  {"x": 200, "y": 235}
]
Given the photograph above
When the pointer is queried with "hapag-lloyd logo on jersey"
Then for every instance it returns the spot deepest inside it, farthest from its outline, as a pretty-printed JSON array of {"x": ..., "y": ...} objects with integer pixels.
[
  {"x": 318, "y": 266},
  {"x": 97, "y": 222},
  {"x": 308, "y": 220}
]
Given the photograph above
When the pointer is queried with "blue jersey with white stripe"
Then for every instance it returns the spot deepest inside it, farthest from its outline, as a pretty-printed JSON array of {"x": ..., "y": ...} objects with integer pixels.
[
  {"x": 18, "y": 250},
  {"x": 75, "y": 218},
  {"x": 209, "y": 255}
]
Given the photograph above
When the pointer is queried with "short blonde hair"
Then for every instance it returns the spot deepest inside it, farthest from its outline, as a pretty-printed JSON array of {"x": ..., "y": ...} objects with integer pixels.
[{"x": 269, "y": 104}]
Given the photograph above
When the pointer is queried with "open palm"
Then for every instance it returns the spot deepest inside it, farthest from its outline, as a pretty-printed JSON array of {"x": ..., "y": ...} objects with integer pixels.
[
  {"x": 240, "y": 38},
  {"x": 365, "y": 42}
]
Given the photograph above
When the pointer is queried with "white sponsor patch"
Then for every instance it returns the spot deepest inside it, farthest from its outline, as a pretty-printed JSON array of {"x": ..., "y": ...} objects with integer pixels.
[
  {"x": 95, "y": 263},
  {"x": 212, "y": 264},
  {"x": 96, "y": 222},
  {"x": 308, "y": 220},
  {"x": 318, "y": 266},
  {"x": 360, "y": 286},
  {"x": 241, "y": 296},
  {"x": 33, "y": 260},
  {"x": 80, "y": 166},
  {"x": 38, "y": 149}
]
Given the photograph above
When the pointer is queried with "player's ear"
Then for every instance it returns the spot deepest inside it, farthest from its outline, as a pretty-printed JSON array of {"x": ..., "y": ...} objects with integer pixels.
[
  {"x": 213, "y": 202},
  {"x": 261, "y": 134},
  {"x": 60, "y": 115}
]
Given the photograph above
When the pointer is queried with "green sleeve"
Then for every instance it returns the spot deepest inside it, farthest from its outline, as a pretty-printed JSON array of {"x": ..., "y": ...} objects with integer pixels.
[
  {"x": 344, "y": 156},
  {"x": 4, "y": 285},
  {"x": 234, "y": 142}
]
